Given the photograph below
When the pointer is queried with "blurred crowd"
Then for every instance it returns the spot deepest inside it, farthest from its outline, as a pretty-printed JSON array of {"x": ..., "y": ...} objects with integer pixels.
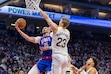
[{"x": 17, "y": 55}]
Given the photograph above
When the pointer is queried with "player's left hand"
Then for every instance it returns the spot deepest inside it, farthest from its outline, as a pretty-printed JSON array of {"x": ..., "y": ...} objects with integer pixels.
[{"x": 16, "y": 25}]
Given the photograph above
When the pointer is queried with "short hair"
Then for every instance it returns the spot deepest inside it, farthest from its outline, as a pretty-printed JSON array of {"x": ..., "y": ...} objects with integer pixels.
[
  {"x": 66, "y": 22},
  {"x": 95, "y": 60},
  {"x": 43, "y": 30}
]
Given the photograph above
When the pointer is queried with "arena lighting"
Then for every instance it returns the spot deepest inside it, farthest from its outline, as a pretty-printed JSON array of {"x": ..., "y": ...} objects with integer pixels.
[
  {"x": 75, "y": 9},
  {"x": 102, "y": 14},
  {"x": 110, "y": 35},
  {"x": 37, "y": 27},
  {"x": 109, "y": 3},
  {"x": 53, "y": 6}
]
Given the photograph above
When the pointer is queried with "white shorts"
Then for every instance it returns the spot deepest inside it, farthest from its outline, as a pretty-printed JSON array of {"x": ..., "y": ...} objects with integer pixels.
[{"x": 59, "y": 63}]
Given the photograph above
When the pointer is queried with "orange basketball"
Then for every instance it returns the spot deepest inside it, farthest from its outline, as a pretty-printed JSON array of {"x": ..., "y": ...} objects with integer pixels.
[{"x": 21, "y": 23}]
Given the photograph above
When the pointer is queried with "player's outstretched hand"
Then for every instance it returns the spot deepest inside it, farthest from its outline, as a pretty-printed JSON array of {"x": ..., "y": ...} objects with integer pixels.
[{"x": 16, "y": 25}]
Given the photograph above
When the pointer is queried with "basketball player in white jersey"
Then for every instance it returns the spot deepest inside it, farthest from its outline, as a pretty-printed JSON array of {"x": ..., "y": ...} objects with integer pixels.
[
  {"x": 60, "y": 38},
  {"x": 91, "y": 63}
]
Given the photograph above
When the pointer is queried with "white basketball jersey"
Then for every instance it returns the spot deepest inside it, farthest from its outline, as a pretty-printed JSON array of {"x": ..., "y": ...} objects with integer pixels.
[{"x": 60, "y": 40}]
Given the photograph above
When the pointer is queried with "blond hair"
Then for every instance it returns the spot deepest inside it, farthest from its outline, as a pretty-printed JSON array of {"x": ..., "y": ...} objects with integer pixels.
[{"x": 66, "y": 22}]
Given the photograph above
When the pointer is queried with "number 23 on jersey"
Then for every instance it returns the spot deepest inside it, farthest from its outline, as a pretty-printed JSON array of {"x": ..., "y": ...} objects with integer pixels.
[{"x": 61, "y": 42}]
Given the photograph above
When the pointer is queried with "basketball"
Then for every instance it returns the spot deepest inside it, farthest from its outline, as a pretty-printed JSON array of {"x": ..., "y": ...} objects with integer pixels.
[{"x": 21, "y": 23}]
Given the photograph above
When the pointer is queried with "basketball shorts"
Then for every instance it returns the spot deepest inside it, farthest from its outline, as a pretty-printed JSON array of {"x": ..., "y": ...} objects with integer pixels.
[{"x": 44, "y": 65}]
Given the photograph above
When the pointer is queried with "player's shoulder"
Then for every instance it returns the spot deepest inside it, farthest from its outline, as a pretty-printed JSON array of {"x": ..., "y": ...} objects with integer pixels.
[{"x": 93, "y": 70}]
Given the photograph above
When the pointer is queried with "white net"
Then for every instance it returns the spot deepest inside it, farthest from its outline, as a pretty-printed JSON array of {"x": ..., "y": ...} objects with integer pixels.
[{"x": 30, "y": 4}]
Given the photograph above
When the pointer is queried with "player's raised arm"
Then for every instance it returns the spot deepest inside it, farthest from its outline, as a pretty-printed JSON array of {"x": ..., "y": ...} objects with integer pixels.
[
  {"x": 53, "y": 25},
  {"x": 25, "y": 36}
]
